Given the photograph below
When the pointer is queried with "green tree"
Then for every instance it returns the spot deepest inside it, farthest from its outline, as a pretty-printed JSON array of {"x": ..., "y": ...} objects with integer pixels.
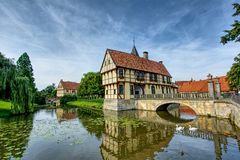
[
  {"x": 233, "y": 34},
  {"x": 234, "y": 74},
  {"x": 22, "y": 96},
  {"x": 49, "y": 92},
  {"x": 24, "y": 69},
  {"x": 91, "y": 85},
  {"x": 15, "y": 85},
  {"x": 7, "y": 74}
]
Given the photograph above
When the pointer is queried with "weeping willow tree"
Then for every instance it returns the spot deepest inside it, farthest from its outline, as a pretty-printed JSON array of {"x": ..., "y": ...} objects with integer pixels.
[
  {"x": 7, "y": 73},
  {"x": 21, "y": 96},
  {"x": 16, "y": 86}
]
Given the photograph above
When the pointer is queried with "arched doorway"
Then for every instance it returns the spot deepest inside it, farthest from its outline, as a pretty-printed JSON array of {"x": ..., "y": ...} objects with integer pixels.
[{"x": 138, "y": 90}]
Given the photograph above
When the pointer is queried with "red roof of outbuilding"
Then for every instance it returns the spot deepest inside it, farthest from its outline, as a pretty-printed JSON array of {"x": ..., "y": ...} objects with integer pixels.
[
  {"x": 69, "y": 85},
  {"x": 202, "y": 85},
  {"x": 126, "y": 60}
]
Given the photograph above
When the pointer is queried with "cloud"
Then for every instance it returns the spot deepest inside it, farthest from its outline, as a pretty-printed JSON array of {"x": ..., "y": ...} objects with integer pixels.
[{"x": 67, "y": 38}]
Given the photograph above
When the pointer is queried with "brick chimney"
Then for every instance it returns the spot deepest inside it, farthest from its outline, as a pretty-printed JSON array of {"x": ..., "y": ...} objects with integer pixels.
[{"x": 145, "y": 54}]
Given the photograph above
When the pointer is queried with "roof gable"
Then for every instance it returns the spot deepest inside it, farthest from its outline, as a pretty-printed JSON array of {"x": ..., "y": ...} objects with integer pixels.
[
  {"x": 202, "y": 85},
  {"x": 69, "y": 85},
  {"x": 126, "y": 60}
]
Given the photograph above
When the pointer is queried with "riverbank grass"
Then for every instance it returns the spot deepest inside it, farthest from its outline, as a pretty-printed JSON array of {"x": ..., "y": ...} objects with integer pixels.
[
  {"x": 5, "y": 108},
  {"x": 95, "y": 104}
]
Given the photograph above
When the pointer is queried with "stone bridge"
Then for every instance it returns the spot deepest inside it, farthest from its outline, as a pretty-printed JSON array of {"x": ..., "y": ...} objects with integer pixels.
[
  {"x": 202, "y": 104},
  {"x": 205, "y": 106}
]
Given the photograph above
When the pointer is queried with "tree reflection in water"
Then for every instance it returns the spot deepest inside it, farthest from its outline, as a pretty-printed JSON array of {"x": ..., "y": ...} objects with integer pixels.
[
  {"x": 14, "y": 136},
  {"x": 75, "y": 134}
]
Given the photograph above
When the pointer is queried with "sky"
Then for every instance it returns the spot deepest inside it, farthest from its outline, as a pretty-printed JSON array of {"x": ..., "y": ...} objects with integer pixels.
[{"x": 67, "y": 38}]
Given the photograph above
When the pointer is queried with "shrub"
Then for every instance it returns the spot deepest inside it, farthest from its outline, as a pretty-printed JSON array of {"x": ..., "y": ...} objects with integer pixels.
[{"x": 68, "y": 98}]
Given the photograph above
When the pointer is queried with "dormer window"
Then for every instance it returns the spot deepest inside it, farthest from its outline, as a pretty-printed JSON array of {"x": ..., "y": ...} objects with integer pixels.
[{"x": 121, "y": 73}]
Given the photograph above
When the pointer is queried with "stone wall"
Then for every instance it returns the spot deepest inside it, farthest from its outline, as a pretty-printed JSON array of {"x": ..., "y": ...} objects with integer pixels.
[{"x": 119, "y": 104}]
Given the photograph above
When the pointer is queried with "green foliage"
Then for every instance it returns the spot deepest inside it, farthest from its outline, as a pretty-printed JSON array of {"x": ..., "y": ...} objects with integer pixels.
[
  {"x": 94, "y": 103},
  {"x": 68, "y": 98},
  {"x": 91, "y": 85},
  {"x": 24, "y": 69},
  {"x": 17, "y": 83},
  {"x": 233, "y": 75},
  {"x": 234, "y": 33},
  {"x": 50, "y": 91},
  {"x": 43, "y": 95},
  {"x": 40, "y": 99},
  {"x": 22, "y": 95},
  {"x": 7, "y": 73}
]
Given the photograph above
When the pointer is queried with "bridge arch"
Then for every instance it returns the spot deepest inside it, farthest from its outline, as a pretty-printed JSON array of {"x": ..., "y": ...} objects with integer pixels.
[{"x": 164, "y": 106}]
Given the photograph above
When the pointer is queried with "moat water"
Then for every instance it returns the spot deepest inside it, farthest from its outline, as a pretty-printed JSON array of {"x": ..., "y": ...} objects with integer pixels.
[{"x": 69, "y": 134}]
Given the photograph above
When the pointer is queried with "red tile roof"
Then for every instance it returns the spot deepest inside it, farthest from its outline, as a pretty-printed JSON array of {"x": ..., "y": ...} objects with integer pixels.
[
  {"x": 127, "y": 60},
  {"x": 69, "y": 85},
  {"x": 202, "y": 85}
]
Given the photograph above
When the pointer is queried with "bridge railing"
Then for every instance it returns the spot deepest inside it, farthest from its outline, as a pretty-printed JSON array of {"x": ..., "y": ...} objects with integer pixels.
[
  {"x": 175, "y": 96},
  {"x": 236, "y": 98}
]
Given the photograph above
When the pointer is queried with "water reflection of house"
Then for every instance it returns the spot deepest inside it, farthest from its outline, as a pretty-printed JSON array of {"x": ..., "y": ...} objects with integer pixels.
[
  {"x": 64, "y": 115},
  {"x": 129, "y": 142},
  {"x": 67, "y": 88},
  {"x": 217, "y": 86}
]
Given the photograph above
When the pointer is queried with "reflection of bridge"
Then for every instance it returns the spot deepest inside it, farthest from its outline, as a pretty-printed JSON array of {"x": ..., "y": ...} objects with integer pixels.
[{"x": 129, "y": 142}]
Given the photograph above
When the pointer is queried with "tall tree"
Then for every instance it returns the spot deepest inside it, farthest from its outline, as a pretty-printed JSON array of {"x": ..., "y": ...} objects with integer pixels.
[
  {"x": 7, "y": 74},
  {"x": 91, "y": 85},
  {"x": 22, "y": 96},
  {"x": 24, "y": 69},
  {"x": 233, "y": 34}
]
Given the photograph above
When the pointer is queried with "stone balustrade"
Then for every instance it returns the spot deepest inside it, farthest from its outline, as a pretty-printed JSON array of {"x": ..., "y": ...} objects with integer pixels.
[{"x": 175, "y": 96}]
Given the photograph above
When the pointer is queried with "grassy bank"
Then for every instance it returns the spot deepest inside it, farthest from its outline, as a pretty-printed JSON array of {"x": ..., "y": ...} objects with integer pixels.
[
  {"x": 95, "y": 104},
  {"x": 5, "y": 108}
]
